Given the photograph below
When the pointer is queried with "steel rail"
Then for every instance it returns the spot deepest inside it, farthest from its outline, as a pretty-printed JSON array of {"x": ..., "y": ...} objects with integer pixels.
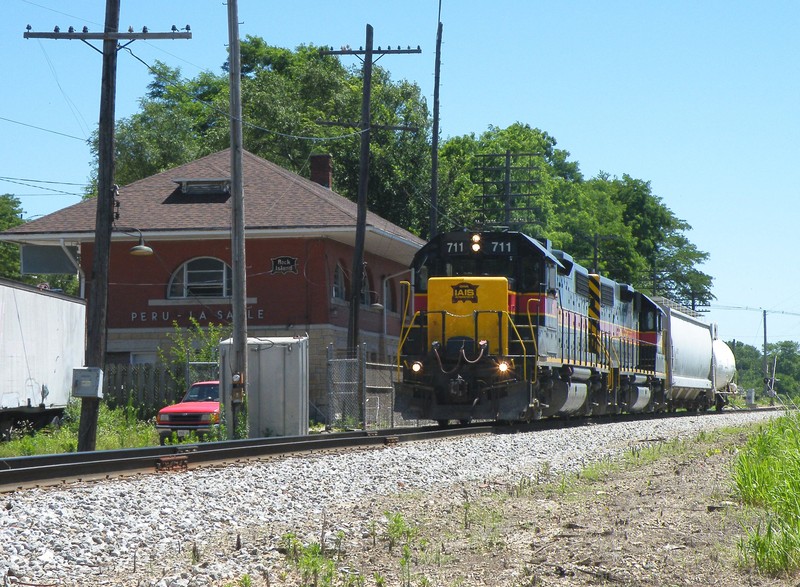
[
  {"x": 18, "y": 473},
  {"x": 47, "y": 470}
]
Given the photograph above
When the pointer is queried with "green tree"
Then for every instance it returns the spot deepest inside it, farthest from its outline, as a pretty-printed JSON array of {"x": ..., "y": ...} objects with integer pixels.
[
  {"x": 666, "y": 262},
  {"x": 473, "y": 172},
  {"x": 194, "y": 343},
  {"x": 749, "y": 365},
  {"x": 785, "y": 356},
  {"x": 10, "y": 216},
  {"x": 286, "y": 95}
]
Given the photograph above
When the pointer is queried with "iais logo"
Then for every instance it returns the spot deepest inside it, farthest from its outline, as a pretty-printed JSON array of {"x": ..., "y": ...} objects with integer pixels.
[{"x": 465, "y": 292}]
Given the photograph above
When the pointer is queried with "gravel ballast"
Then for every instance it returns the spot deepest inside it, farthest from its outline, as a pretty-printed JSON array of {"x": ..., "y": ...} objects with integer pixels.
[{"x": 148, "y": 530}]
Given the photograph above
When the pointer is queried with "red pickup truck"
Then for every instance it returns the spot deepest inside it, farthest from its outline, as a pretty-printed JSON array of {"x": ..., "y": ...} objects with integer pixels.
[{"x": 197, "y": 412}]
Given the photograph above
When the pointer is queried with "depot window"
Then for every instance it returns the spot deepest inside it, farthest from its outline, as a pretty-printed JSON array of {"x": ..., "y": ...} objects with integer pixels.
[
  {"x": 339, "y": 287},
  {"x": 205, "y": 277}
]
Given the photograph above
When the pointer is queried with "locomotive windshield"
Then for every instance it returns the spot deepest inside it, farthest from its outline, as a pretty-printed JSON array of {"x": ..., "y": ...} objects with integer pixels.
[{"x": 488, "y": 254}]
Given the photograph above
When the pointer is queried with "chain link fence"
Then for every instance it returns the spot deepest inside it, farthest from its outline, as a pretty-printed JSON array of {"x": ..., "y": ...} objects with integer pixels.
[{"x": 360, "y": 393}]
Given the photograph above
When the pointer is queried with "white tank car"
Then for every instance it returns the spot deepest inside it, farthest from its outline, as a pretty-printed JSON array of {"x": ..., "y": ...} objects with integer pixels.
[
  {"x": 724, "y": 366},
  {"x": 698, "y": 363}
]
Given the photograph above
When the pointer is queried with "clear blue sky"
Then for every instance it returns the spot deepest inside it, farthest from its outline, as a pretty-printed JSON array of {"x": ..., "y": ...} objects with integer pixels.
[{"x": 699, "y": 98}]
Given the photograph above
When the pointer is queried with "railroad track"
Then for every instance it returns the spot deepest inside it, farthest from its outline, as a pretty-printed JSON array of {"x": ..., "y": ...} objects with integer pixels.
[
  {"x": 18, "y": 473},
  {"x": 48, "y": 470}
]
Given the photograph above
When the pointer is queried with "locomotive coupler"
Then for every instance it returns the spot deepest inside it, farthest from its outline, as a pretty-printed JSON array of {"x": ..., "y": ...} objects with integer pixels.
[{"x": 458, "y": 387}]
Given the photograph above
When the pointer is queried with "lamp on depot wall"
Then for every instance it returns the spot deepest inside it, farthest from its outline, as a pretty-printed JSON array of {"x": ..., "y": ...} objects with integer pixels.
[{"x": 140, "y": 250}]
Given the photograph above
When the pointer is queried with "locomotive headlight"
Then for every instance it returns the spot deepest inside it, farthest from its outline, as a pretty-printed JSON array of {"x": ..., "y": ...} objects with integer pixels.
[
  {"x": 476, "y": 242},
  {"x": 416, "y": 367},
  {"x": 503, "y": 367}
]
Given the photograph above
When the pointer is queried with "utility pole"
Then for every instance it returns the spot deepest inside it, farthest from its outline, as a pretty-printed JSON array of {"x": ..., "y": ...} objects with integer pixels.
[
  {"x": 766, "y": 364},
  {"x": 356, "y": 277},
  {"x": 97, "y": 312},
  {"x": 239, "y": 301},
  {"x": 433, "y": 230}
]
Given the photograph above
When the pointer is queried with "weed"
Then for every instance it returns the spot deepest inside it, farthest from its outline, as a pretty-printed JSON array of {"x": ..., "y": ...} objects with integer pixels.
[
  {"x": 545, "y": 472},
  {"x": 356, "y": 580},
  {"x": 525, "y": 486},
  {"x": 291, "y": 546},
  {"x": 398, "y": 530},
  {"x": 339, "y": 539},
  {"x": 563, "y": 485},
  {"x": 405, "y": 566},
  {"x": 373, "y": 532}
]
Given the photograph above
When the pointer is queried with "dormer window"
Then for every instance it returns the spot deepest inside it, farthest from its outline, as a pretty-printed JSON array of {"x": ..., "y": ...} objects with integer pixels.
[{"x": 204, "y": 186}]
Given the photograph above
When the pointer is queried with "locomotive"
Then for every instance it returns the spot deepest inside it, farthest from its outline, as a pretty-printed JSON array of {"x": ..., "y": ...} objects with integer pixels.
[{"x": 500, "y": 326}]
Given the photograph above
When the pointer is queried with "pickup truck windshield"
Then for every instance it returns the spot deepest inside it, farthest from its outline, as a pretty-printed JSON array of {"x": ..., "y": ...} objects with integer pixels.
[{"x": 202, "y": 392}]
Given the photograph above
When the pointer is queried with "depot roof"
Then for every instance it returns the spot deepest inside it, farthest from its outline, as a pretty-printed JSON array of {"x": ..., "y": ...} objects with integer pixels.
[{"x": 193, "y": 201}]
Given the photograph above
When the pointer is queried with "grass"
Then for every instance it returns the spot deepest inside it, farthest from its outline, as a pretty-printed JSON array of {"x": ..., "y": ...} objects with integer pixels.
[
  {"x": 767, "y": 476},
  {"x": 117, "y": 428}
]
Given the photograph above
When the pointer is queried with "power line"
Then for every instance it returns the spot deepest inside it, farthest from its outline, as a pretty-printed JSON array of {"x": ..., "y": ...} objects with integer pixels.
[
  {"x": 750, "y": 309},
  {"x": 55, "y": 132},
  {"x": 39, "y": 181},
  {"x": 70, "y": 104},
  {"x": 55, "y": 191}
]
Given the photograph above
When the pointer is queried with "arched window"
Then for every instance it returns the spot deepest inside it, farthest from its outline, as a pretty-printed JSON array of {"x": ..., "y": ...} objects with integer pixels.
[
  {"x": 339, "y": 290},
  {"x": 367, "y": 291},
  {"x": 204, "y": 277}
]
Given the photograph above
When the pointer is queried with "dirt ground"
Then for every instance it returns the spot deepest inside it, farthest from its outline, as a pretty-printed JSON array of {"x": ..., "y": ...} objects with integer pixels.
[{"x": 671, "y": 522}]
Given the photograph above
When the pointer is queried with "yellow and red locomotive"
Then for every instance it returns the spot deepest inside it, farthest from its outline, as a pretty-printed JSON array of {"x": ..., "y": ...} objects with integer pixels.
[{"x": 500, "y": 326}]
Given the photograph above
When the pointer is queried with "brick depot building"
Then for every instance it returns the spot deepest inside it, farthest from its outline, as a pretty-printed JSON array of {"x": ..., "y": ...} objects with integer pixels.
[{"x": 299, "y": 238}]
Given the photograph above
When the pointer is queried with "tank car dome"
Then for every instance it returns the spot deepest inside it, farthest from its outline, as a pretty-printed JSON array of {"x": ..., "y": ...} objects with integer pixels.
[{"x": 724, "y": 363}]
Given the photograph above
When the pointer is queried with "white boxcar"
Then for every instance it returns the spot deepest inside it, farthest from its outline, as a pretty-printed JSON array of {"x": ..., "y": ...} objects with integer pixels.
[{"x": 42, "y": 338}]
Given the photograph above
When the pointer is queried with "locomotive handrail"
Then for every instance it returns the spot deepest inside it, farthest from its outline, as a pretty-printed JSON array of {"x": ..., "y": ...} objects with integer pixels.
[
  {"x": 533, "y": 337},
  {"x": 403, "y": 339},
  {"x": 524, "y": 350},
  {"x": 402, "y": 323},
  {"x": 604, "y": 348}
]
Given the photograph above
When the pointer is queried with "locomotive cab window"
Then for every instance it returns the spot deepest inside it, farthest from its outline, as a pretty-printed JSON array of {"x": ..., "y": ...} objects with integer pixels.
[
  {"x": 421, "y": 279},
  {"x": 651, "y": 320},
  {"x": 531, "y": 277}
]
